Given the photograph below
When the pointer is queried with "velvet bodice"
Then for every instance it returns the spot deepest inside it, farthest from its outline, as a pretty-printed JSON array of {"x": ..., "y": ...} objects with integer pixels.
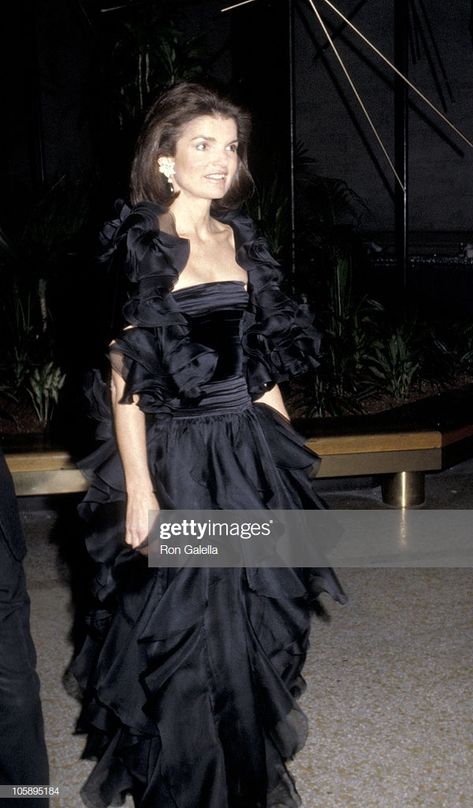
[
  {"x": 215, "y": 313},
  {"x": 174, "y": 344}
]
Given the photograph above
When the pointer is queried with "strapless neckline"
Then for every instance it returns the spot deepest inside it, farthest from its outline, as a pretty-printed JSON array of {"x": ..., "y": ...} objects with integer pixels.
[{"x": 208, "y": 283}]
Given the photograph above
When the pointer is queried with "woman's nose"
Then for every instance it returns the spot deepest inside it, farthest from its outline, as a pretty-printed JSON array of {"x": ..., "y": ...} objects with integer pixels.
[{"x": 223, "y": 156}]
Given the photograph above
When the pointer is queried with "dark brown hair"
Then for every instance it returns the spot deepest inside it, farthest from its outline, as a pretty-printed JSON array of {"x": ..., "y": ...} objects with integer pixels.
[{"x": 161, "y": 131}]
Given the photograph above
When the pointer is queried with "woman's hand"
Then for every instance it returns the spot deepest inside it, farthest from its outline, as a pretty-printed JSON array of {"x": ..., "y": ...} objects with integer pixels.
[{"x": 141, "y": 511}]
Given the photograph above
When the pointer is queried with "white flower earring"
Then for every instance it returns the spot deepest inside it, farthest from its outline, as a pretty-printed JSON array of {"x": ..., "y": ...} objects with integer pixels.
[{"x": 166, "y": 167}]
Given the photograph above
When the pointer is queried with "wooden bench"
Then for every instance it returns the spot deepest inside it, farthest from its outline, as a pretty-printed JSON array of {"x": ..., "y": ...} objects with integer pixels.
[
  {"x": 401, "y": 445},
  {"x": 44, "y": 472},
  {"x": 402, "y": 458}
]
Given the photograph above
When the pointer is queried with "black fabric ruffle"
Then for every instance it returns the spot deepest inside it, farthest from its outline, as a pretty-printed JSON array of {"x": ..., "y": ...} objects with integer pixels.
[
  {"x": 193, "y": 675},
  {"x": 156, "y": 357},
  {"x": 279, "y": 338}
]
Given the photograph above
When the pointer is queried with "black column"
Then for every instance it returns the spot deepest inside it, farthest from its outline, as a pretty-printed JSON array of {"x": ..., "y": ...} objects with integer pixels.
[
  {"x": 260, "y": 33},
  {"x": 401, "y": 131}
]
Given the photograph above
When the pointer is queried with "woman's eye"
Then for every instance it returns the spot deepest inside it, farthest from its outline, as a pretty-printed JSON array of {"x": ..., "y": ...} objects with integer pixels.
[
  {"x": 201, "y": 146},
  {"x": 233, "y": 147}
]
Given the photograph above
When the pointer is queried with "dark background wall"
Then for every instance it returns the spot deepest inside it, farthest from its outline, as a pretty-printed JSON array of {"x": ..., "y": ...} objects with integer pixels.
[
  {"x": 61, "y": 73},
  {"x": 56, "y": 101},
  {"x": 60, "y": 79},
  {"x": 330, "y": 123}
]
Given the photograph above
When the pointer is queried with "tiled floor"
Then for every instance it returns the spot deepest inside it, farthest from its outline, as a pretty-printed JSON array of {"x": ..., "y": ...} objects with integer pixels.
[{"x": 389, "y": 694}]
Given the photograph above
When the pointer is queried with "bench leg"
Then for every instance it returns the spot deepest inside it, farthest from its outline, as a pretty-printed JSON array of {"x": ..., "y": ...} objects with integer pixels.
[{"x": 405, "y": 489}]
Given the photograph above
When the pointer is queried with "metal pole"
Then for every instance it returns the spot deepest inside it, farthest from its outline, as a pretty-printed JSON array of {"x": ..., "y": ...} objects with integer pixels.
[
  {"x": 401, "y": 139},
  {"x": 292, "y": 140},
  {"x": 37, "y": 133}
]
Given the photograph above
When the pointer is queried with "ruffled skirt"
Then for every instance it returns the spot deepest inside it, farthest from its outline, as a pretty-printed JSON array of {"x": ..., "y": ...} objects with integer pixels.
[{"x": 191, "y": 676}]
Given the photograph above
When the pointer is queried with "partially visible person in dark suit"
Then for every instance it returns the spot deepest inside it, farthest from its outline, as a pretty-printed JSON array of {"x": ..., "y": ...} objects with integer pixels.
[{"x": 23, "y": 755}]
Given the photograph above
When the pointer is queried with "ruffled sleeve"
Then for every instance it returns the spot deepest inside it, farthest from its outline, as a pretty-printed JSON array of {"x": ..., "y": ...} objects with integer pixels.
[
  {"x": 154, "y": 353},
  {"x": 279, "y": 338}
]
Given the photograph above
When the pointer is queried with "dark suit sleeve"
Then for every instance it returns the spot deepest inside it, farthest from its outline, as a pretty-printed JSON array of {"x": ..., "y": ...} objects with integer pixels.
[{"x": 10, "y": 526}]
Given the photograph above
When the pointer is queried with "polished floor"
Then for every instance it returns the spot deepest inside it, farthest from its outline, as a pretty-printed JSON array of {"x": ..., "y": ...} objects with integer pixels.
[{"x": 389, "y": 678}]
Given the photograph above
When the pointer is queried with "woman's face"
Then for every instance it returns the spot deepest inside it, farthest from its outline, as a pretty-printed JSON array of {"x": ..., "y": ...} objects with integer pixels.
[{"x": 206, "y": 157}]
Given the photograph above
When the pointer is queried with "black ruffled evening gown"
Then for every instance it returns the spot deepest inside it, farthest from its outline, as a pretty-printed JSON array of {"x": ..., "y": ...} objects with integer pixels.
[{"x": 190, "y": 676}]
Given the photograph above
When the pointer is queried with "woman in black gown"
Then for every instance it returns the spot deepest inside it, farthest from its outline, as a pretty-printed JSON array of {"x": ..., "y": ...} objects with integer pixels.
[{"x": 190, "y": 676}]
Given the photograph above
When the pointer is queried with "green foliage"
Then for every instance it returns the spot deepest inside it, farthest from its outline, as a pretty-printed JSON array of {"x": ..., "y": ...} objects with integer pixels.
[
  {"x": 368, "y": 352},
  {"x": 459, "y": 354},
  {"x": 31, "y": 259},
  {"x": 32, "y": 256},
  {"x": 57, "y": 217},
  {"x": 18, "y": 356},
  {"x": 149, "y": 53},
  {"x": 269, "y": 208},
  {"x": 396, "y": 365},
  {"x": 26, "y": 368},
  {"x": 44, "y": 384},
  {"x": 349, "y": 334},
  {"x": 328, "y": 218},
  {"x": 323, "y": 398},
  {"x": 369, "y": 356}
]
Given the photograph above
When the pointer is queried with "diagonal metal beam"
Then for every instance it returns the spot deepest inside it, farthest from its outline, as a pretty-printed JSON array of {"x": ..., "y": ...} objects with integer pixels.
[
  {"x": 339, "y": 31},
  {"x": 433, "y": 68},
  {"x": 345, "y": 95},
  {"x": 356, "y": 47},
  {"x": 356, "y": 93},
  {"x": 398, "y": 73},
  {"x": 236, "y": 5},
  {"x": 436, "y": 48}
]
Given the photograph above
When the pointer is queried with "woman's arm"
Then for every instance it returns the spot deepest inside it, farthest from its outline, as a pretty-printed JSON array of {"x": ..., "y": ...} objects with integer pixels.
[
  {"x": 131, "y": 439},
  {"x": 274, "y": 399}
]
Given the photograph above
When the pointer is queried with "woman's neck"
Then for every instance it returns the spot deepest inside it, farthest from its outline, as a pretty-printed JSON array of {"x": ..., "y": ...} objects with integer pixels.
[{"x": 192, "y": 219}]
